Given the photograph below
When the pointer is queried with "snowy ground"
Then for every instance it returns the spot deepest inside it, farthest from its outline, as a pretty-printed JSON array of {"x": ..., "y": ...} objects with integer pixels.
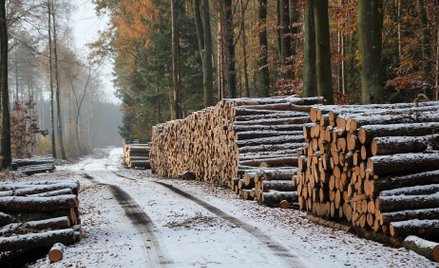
[{"x": 131, "y": 220}]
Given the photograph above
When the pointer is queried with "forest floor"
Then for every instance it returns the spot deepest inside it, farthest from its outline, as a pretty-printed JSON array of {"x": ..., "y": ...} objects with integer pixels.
[{"x": 132, "y": 218}]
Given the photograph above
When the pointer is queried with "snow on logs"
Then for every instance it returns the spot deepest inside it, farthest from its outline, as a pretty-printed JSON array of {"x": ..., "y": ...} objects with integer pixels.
[
  {"x": 38, "y": 214},
  {"x": 136, "y": 156},
  {"x": 375, "y": 166},
  {"x": 238, "y": 143},
  {"x": 33, "y": 165}
]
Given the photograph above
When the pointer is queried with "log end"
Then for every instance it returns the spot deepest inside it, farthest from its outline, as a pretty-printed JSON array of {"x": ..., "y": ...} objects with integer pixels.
[{"x": 56, "y": 252}]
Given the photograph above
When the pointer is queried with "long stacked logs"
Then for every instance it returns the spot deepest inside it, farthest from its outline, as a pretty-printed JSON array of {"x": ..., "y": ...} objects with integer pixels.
[
  {"x": 238, "y": 143},
  {"x": 33, "y": 165},
  {"x": 375, "y": 166},
  {"x": 136, "y": 155},
  {"x": 38, "y": 214}
]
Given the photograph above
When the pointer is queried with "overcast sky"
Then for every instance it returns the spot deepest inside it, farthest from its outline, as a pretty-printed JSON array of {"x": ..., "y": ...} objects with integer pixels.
[{"x": 86, "y": 25}]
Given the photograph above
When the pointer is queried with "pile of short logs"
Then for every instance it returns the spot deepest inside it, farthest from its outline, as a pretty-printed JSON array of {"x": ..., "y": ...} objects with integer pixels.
[
  {"x": 374, "y": 166},
  {"x": 38, "y": 214},
  {"x": 252, "y": 140},
  {"x": 33, "y": 165},
  {"x": 136, "y": 155}
]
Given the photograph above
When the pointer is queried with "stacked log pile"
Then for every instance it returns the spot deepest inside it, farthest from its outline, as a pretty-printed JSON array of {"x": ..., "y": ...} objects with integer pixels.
[
  {"x": 38, "y": 215},
  {"x": 136, "y": 155},
  {"x": 33, "y": 165},
  {"x": 255, "y": 138},
  {"x": 374, "y": 166}
]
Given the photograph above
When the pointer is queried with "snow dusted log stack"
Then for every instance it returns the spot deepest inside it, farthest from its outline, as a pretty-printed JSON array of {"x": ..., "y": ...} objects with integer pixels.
[
  {"x": 33, "y": 165},
  {"x": 246, "y": 133},
  {"x": 136, "y": 155},
  {"x": 38, "y": 214},
  {"x": 376, "y": 166}
]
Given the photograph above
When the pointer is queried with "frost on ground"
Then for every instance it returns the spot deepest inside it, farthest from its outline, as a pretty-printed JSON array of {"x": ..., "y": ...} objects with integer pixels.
[{"x": 189, "y": 235}]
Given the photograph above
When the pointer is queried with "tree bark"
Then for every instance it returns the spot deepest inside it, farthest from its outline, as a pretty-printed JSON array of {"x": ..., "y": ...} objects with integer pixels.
[
  {"x": 285, "y": 49},
  {"x": 403, "y": 163},
  {"x": 417, "y": 179},
  {"x": 202, "y": 22},
  {"x": 423, "y": 247},
  {"x": 423, "y": 228},
  {"x": 404, "y": 144},
  {"x": 370, "y": 24},
  {"x": 6, "y": 158},
  {"x": 230, "y": 48},
  {"x": 263, "y": 72},
  {"x": 403, "y": 202},
  {"x": 273, "y": 198},
  {"x": 58, "y": 87},
  {"x": 244, "y": 49},
  {"x": 32, "y": 204},
  {"x": 176, "y": 61},
  {"x": 309, "y": 68},
  {"x": 404, "y": 215},
  {"x": 323, "y": 51}
]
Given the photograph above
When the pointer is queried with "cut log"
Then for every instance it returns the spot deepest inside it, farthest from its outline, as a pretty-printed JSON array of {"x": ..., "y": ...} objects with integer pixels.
[
  {"x": 54, "y": 193},
  {"x": 139, "y": 163},
  {"x": 32, "y": 204},
  {"x": 266, "y": 133},
  {"x": 422, "y": 228},
  {"x": 56, "y": 252},
  {"x": 417, "y": 179},
  {"x": 273, "y": 198},
  {"x": 402, "y": 144},
  {"x": 423, "y": 247},
  {"x": 279, "y": 185},
  {"x": 270, "y": 140},
  {"x": 272, "y": 115},
  {"x": 276, "y": 121},
  {"x": 403, "y": 202},
  {"x": 37, "y": 240},
  {"x": 270, "y": 162},
  {"x": 368, "y": 132},
  {"x": 420, "y": 214},
  {"x": 413, "y": 190},
  {"x": 272, "y": 147},
  {"x": 403, "y": 163},
  {"x": 32, "y": 226},
  {"x": 28, "y": 188},
  {"x": 245, "y": 128}
]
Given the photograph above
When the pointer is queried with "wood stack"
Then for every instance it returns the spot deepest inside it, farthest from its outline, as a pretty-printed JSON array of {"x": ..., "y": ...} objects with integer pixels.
[
  {"x": 33, "y": 165},
  {"x": 38, "y": 215},
  {"x": 376, "y": 166},
  {"x": 136, "y": 155},
  {"x": 214, "y": 142}
]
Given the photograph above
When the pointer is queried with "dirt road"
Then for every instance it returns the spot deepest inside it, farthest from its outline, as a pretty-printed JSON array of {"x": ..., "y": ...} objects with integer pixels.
[{"x": 134, "y": 219}]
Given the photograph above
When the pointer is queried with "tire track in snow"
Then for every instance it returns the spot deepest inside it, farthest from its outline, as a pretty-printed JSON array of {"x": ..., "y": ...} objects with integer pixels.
[
  {"x": 141, "y": 220},
  {"x": 278, "y": 250}
]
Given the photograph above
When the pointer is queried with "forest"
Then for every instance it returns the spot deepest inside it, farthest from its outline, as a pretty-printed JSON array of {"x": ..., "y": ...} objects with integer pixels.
[
  {"x": 179, "y": 56},
  {"x": 52, "y": 98}
]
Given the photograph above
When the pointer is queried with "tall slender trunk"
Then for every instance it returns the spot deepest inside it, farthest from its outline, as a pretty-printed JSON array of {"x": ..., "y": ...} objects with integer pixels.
[
  {"x": 6, "y": 123},
  {"x": 263, "y": 74},
  {"x": 370, "y": 23},
  {"x": 230, "y": 48},
  {"x": 58, "y": 88},
  {"x": 437, "y": 64},
  {"x": 399, "y": 31},
  {"x": 52, "y": 110},
  {"x": 285, "y": 49},
  {"x": 176, "y": 62},
  {"x": 309, "y": 68},
  {"x": 202, "y": 23},
  {"x": 323, "y": 51},
  {"x": 244, "y": 49},
  {"x": 426, "y": 47}
]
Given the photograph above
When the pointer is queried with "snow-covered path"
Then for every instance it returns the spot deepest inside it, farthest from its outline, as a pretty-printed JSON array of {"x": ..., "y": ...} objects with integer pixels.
[{"x": 135, "y": 219}]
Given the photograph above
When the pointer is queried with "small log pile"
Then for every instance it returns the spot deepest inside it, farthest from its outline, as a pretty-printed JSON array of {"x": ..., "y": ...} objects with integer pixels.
[
  {"x": 374, "y": 166},
  {"x": 33, "y": 165},
  {"x": 136, "y": 156},
  {"x": 243, "y": 134},
  {"x": 38, "y": 215}
]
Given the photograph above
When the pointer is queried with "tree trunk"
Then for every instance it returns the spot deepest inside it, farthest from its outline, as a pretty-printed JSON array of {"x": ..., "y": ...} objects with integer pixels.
[
  {"x": 423, "y": 228},
  {"x": 404, "y": 215},
  {"x": 31, "y": 204},
  {"x": 426, "y": 46},
  {"x": 263, "y": 72},
  {"x": 202, "y": 22},
  {"x": 423, "y": 247},
  {"x": 285, "y": 49},
  {"x": 58, "y": 87},
  {"x": 6, "y": 128},
  {"x": 370, "y": 24},
  {"x": 402, "y": 163},
  {"x": 230, "y": 48},
  {"x": 175, "y": 61},
  {"x": 406, "y": 202},
  {"x": 244, "y": 49},
  {"x": 309, "y": 68},
  {"x": 323, "y": 51},
  {"x": 417, "y": 179}
]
